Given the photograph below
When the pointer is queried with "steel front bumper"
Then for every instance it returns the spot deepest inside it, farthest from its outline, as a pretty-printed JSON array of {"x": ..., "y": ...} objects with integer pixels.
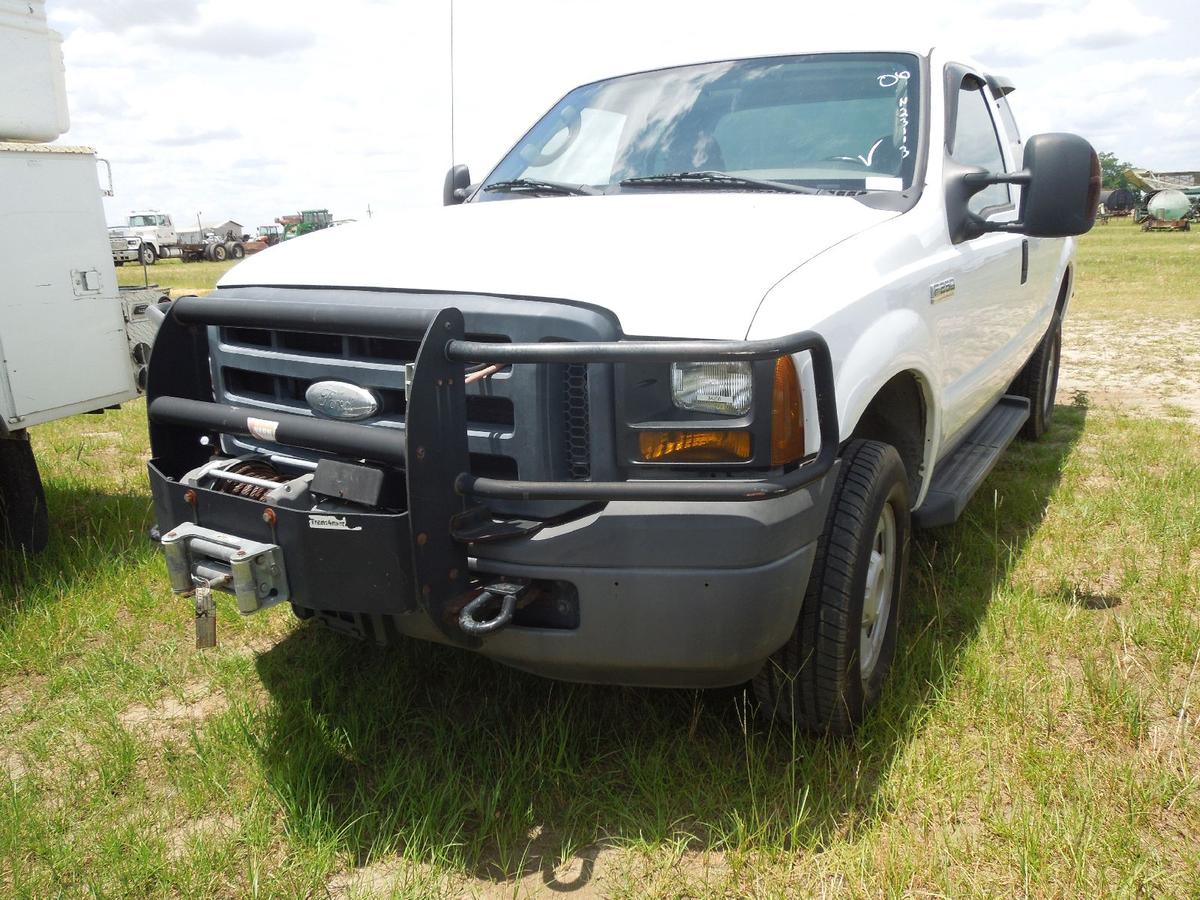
[{"x": 677, "y": 582}]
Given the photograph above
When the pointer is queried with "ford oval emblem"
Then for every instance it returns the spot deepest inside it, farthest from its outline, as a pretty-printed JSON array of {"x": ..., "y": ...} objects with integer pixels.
[{"x": 339, "y": 400}]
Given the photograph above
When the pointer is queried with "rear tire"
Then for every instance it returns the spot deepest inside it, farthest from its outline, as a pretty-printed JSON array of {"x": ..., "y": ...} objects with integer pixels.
[
  {"x": 218, "y": 252},
  {"x": 24, "y": 522},
  {"x": 830, "y": 672},
  {"x": 238, "y": 251},
  {"x": 1038, "y": 381}
]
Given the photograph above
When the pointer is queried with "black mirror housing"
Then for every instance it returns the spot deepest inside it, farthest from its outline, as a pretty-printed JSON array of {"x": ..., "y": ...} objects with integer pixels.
[
  {"x": 1060, "y": 190},
  {"x": 1063, "y": 191},
  {"x": 456, "y": 187}
]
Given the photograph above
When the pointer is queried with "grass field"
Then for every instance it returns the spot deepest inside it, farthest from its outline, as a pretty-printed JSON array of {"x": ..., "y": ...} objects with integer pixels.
[
  {"x": 182, "y": 277},
  {"x": 1040, "y": 735}
]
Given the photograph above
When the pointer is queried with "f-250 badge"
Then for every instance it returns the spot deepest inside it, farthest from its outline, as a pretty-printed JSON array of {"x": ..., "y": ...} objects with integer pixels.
[{"x": 941, "y": 290}]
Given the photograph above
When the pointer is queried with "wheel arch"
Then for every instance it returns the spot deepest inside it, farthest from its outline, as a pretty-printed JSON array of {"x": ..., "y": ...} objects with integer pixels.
[
  {"x": 900, "y": 413},
  {"x": 1065, "y": 291}
]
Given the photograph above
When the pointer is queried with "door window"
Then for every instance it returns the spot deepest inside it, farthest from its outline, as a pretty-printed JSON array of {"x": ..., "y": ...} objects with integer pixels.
[
  {"x": 977, "y": 144},
  {"x": 1010, "y": 127}
]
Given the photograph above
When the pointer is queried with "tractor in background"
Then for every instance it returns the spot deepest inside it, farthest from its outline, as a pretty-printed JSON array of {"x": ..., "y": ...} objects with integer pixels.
[{"x": 307, "y": 221}]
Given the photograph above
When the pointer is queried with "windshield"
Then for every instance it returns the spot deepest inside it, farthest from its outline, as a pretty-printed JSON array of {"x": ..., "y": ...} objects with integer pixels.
[
  {"x": 830, "y": 121},
  {"x": 140, "y": 221}
]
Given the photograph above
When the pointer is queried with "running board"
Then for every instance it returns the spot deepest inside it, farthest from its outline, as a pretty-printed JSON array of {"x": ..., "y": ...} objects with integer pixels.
[{"x": 958, "y": 476}]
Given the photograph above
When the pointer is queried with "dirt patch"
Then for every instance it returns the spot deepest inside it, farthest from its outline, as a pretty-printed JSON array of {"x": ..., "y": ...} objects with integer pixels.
[
  {"x": 1150, "y": 366},
  {"x": 179, "y": 836},
  {"x": 12, "y": 765},
  {"x": 174, "y": 717},
  {"x": 16, "y": 694},
  {"x": 385, "y": 878},
  {"x": 595, "y": 871}
]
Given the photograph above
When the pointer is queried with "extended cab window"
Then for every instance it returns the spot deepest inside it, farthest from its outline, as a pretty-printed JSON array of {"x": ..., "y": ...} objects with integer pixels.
[{"x": 976, "y": 143}]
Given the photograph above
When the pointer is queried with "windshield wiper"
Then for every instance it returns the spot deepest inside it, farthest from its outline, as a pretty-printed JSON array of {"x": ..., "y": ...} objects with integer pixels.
[
  {"x": 718, "y": 180},
  {"x": 534, "y": 186}
]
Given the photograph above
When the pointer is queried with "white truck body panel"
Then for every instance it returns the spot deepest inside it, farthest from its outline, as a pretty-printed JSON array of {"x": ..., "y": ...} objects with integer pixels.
[
  {"x": 62, "y": 326},
  {"x": 33, "y": 102},
  {"x": 652, "y": 259}
]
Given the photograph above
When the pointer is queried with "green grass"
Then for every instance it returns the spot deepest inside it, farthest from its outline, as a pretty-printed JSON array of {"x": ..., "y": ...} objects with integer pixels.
[
  {"x": 1129, "y": 273},
  {"x": 1039, "y": 734},
  {"x": 182, "y": 277}
]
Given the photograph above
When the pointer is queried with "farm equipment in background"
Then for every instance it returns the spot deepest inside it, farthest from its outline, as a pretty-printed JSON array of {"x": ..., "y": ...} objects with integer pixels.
[
  {"x": 1168, "y": 211},
  {"x": 1172, "y": 199},
  {"x": 270, "y": 235},
  {"x": 307, "y": 221}
]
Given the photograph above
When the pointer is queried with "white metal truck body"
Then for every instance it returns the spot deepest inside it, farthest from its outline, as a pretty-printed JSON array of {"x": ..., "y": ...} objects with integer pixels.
[{"x": 71, "y": 340}]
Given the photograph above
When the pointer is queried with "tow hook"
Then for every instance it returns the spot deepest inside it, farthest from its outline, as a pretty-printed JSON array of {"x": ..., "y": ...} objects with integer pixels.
[
  {"x": 206, "y": 609},
  {"x": 507, "y": 592}
]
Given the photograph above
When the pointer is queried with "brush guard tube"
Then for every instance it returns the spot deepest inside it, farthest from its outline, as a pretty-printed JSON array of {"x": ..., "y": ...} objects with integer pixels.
[{"x": 185, "y": 424}]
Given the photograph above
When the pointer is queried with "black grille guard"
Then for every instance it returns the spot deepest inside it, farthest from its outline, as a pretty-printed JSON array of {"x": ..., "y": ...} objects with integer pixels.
[{"x": 432, "y": 451}]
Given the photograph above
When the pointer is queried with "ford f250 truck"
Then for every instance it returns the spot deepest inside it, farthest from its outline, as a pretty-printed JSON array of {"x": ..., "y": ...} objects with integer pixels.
[{"x": 655, "y": 403}]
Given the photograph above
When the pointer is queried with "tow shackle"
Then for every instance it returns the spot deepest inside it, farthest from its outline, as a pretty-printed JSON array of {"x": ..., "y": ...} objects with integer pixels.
[{"x": 507, "y": 593}]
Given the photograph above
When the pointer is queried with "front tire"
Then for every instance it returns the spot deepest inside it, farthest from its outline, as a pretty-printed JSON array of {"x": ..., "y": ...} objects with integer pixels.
[
  {"x": 147, "y": 254},
  {"x": 831, "y": 671},
  {"x": 1038, "y": 382}
]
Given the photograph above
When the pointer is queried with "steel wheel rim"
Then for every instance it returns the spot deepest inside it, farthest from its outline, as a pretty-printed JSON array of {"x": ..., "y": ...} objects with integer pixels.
[{"x": 877, "y": 595}]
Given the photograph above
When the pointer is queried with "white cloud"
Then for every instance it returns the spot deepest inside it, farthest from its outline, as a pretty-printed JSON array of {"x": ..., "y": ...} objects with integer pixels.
[{"x": 248, "y": 110}]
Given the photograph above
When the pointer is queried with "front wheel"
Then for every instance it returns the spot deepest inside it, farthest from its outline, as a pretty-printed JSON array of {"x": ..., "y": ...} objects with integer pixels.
[
  {"x": 147, "y": 254},
  {"x": 830, "y": 672}
]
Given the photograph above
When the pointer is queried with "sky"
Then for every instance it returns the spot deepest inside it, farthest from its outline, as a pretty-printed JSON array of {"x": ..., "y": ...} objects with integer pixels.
[{"x": 240, "y": 110}]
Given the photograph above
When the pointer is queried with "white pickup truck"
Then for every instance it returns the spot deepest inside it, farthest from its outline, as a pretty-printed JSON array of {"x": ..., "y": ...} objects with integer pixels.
[{"x": 659, "y": 400}]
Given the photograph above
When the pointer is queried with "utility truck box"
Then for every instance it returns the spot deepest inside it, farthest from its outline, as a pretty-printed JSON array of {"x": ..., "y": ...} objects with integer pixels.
[
  {"x": 33, "y": 93},
  {"x": 70, "y": 340},
  {"x": 63, "y": 332}
]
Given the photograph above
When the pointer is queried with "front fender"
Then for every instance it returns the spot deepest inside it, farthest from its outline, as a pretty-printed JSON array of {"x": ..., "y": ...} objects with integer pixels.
[
  {"x": 866, "y": 359},
  {"x": 902, "y": 339}
]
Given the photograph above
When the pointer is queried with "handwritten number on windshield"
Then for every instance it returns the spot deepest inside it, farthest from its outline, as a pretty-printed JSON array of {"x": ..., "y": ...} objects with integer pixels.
[{"x": 886, "y": 81}]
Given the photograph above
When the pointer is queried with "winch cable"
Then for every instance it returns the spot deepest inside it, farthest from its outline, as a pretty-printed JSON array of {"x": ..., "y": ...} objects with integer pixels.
[
  {"x": 251, "y": 469},
  {"x": 479, "y": 375}
]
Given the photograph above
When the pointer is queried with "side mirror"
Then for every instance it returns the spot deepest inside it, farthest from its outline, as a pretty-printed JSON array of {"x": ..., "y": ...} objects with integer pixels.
[
  {"x": 1060, "y": 190},
  {"x": 1063, "y": 191},
  {"x": 457, "y": 185}
]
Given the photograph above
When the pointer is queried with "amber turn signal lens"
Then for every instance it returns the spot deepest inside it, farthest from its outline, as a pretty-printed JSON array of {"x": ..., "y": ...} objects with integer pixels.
[
  {"x": 787, "y": 420},
  {"x": 694, "y": 446}
]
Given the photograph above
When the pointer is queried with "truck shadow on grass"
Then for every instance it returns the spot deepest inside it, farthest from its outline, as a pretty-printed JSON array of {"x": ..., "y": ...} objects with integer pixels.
[{"x": 456, "y": 762}]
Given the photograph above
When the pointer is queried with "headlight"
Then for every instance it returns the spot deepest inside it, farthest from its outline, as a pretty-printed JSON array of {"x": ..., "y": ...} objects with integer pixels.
[{"x": 723, "y": 388}]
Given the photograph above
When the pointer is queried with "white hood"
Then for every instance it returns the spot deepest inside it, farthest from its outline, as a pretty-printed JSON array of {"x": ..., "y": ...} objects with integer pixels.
[{"x": 693, "y": 264}]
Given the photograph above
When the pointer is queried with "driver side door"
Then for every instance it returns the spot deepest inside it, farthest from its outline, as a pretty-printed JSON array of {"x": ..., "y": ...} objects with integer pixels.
[{"x": 975, "y": 308}]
